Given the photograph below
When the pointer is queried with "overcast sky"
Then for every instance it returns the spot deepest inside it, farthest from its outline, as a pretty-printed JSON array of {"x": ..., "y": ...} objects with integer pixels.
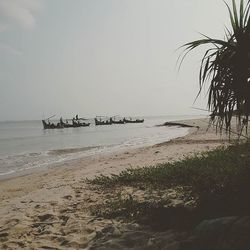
[{"x": 101, "y": 57}]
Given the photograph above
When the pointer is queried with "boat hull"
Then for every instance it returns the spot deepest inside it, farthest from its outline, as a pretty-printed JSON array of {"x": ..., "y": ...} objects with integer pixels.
[
  {"x": 51, "y": 126},
  {"x": 134, "y": 121},
  {"x": 100, "y": 123},
  {"x": 63, "y": 125}
]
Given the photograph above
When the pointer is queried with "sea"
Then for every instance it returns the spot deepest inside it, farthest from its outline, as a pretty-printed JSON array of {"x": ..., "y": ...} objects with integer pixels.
[{"x": 26, "y": 146}]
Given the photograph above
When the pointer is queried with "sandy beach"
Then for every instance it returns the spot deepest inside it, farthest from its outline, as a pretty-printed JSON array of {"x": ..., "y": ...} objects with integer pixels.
[{"x": 49, "y": 209}]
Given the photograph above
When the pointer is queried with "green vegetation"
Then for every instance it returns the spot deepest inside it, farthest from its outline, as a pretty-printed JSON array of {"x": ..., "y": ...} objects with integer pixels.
[
  {"x": 128, "y": 207},
  {"x": 217, "y": 181},
  {"x": 226, "y": 64}
]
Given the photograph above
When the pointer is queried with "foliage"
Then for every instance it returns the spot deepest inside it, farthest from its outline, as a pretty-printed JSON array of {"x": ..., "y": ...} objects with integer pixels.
[
  {"x": 227, "y": 67},
  {"x": 127, "y": 206},
  {"x": 219, "y": 179}
]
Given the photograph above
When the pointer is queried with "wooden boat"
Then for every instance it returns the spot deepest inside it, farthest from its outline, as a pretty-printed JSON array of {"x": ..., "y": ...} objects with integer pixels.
[
  {"x": 130, "y": 120},
  {"x": 67, "y": 125},
  {"x": 80, "y": 124},
  {"x": 115, "y": 121},
  {"x": 104, "y": 122},
  {"x": 76, "y": 123},
  {"x": 49, "y": 125}
]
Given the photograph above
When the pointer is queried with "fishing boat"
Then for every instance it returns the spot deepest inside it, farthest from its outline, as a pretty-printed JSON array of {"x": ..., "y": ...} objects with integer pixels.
[
  {"x": 49, "y": 125},
  {"x": 117, "y": 120},
  {"x": 80, "y": 124},
  {"x": 100, "y": 121},
  {"x": 130, "y": 120},
  {"x": 75, "y": 123}
]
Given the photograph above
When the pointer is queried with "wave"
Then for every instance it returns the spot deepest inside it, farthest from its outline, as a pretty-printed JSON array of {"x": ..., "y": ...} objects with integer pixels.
[{"x": 71, "y": 150}]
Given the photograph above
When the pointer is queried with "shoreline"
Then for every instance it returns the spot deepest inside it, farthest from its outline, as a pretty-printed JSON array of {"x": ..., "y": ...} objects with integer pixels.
[
  {"x": 72, "y": 155},
  {"x": 61, "y": 192}
]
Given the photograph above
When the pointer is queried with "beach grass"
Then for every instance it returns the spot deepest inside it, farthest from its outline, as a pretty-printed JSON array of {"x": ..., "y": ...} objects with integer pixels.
[{"x": 218, "y": 181}]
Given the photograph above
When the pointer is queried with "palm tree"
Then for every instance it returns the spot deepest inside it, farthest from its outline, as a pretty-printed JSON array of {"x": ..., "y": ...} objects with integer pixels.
[{"x": 226, "y": 65}]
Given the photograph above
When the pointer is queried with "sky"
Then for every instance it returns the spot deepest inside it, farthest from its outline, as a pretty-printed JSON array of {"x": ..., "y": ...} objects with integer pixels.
[{"x": 102, "y": 57}]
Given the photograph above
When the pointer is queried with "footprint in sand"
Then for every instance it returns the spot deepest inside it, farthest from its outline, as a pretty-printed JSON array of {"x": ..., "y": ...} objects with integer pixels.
[
  {"x": 78, "y": 195},
  {"x": 67, "y": 197},
  {"x": 64, "y": 219},
  {"x": 3, "y": 235},
  {"x": 9, "y": 224},
  {"x": 45, "y": 217}
]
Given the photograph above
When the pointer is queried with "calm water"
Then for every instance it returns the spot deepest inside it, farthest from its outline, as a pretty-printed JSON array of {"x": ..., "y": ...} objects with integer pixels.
[{"x": 25, "y": 145}]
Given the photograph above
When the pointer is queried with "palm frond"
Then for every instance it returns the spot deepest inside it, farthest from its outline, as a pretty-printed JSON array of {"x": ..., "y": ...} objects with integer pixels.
[
  {"x": 241, "y": 13},
  {"x": 227, "y": 68}
]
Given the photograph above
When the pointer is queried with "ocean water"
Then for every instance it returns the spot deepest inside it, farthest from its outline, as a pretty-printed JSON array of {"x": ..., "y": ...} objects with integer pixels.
[{"x": 25, "y": 145}]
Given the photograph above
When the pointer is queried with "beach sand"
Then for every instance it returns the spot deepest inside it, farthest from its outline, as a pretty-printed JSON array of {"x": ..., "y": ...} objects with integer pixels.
[{"x": 49, "y": 209}]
